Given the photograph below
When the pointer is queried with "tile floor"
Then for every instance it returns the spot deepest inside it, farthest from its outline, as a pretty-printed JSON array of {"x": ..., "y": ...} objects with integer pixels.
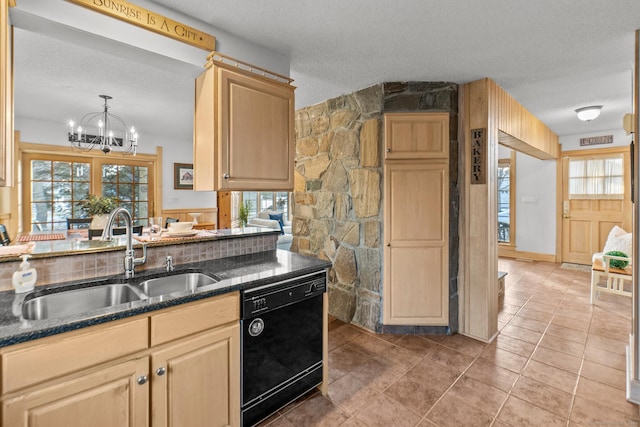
[{"x": 558, "y": 361}]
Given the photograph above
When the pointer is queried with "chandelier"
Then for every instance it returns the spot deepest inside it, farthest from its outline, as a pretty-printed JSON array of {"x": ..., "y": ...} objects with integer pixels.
[{"x": 104, "y": 131}]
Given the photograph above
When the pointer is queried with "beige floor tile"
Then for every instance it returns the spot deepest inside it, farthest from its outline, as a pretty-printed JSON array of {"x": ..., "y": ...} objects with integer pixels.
[
  {"x": 534, "y": 325},
  {"x": 604, "y": 343},
  {"x": 607, "y": 395},
  {"x": 453, "y": 412},
  {"x": 604, "y": 374},
  {"x": 437, "y": 376},
  {"x": 341, "y": 335},
  {"x": 554, "y": 358},
  {"x": 376, "y": 374},
  {"x": 589, "y": 413},
  {"x": 519, "y": 347},
  {"x": 353, "y": 422},
  {"x": 464, "y": 345},
  {"x": 414, "y": 393},
  {"x": 316, "y": 411},
  {"x": 517, "y": 412},
  {"x": 562, "y": 345},
  {"x": 450, "y": 358},
  {"x": 567, "y": 333},
  {"x": 523, "y": 334},
  {"x": 479, "y": 395},
  {"x": 351, "y": 394},
  {"x": 543, "y": 396},
  {"x": 417, "y": 344},
  {"x": 607, "y": 358},
  {"x": 543, "y": 305},
  {"x": 495, "y": 376},
  {"x": 427, "y": 423},
  {"x": 540, "y": 316},
  {"x": 569, "y": 322},
  {"x": 385, "y": 411},
  {"x": 508, "y": 308},
  {"x": 503, "y": 358},
  {"x": 549, "y": 375}
]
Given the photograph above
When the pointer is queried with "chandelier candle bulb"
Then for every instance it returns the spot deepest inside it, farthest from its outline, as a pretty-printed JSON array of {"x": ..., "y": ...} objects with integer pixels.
[{"x": 104, "y": 131}]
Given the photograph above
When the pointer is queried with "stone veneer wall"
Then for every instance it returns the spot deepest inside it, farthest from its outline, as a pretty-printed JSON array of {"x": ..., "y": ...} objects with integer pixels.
[
  {"x": 58, "y": 269},
  {"x": 338, "y": 206}
]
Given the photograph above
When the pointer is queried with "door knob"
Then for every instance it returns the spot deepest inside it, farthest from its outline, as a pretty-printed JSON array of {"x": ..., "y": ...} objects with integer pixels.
[
  {"x": 142, "y": 379},
  {"x": 161, "y": 371},
  {"x": 226, "y": 176}
]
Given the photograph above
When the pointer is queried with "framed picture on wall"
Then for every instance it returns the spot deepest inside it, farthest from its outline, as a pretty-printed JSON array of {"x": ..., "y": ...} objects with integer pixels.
[{"x": 183, "y": 176}]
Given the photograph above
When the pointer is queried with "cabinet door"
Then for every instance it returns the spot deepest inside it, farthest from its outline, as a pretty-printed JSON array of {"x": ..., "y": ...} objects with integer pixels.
[
  {"x": 106, "y": 398},
  {"x": 256, "y": 132},
  {"x": 416, "y": 261},
  {"x": 196, "y": 381},
  {"x": 416, "y": 135}
]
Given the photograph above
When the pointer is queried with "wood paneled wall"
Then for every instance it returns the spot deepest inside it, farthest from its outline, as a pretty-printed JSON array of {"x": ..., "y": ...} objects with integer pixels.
[
  {"x": 485, "y": 105},
  {"x": 519, "y": 129}
]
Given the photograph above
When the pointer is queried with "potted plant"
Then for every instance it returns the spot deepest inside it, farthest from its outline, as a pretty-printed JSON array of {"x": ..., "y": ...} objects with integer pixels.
[
  {"x": 99, "y": 208},
  {"x": 243, "y": 213}
]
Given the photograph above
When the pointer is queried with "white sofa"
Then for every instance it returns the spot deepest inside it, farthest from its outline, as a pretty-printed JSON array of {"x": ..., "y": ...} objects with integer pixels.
[{"x": 263, "y": 220}]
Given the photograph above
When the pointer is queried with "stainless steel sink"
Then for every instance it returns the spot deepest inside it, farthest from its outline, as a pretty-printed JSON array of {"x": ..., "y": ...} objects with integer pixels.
[
  {"x": 176, "y": 283},
  {"x": 76, "y": 301}
]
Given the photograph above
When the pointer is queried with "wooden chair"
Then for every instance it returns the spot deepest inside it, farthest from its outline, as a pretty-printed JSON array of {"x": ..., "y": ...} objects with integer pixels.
[
  {"x": 78, "y": 222},
  {"x": 169, "y": 221},
  {"x": 4, "y": 236},
  {"x": 116, "y": 231},
  {"x": 616, "y": 278}
]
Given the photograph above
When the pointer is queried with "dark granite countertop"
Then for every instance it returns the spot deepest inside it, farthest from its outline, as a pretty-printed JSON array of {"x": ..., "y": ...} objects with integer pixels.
[{"x": 235, "y": 273}]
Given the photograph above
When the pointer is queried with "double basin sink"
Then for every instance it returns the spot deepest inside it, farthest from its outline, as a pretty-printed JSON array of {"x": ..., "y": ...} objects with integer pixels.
[{"x": 76, "y": 301}]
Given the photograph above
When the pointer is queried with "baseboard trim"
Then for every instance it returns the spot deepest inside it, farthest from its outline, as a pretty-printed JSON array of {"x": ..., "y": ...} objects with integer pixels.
[{"x": 533, "y": 256}]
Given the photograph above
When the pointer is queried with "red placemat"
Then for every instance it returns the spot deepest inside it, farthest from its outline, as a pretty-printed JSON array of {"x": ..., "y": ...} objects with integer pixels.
[{"x": 38, "y": 237}]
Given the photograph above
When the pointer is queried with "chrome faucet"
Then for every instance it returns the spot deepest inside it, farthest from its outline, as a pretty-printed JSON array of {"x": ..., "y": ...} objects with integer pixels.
[
  {"x": 168, "y": 264},
  {"x": 130, "y": 260}
]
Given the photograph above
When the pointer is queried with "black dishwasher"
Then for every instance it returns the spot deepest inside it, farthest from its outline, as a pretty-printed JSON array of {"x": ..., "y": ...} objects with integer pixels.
[{"x": 281, "y": 344}]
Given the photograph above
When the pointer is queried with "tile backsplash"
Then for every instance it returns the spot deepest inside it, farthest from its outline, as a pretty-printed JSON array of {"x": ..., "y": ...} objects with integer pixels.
[{"x": 88, "y": 266}]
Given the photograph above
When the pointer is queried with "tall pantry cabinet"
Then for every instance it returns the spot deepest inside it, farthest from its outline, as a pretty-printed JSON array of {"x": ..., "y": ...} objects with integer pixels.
[{"x": 416, "y": 219}]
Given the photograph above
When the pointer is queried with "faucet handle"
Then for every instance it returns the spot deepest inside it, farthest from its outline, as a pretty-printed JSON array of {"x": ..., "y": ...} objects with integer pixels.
[{"x": 169, "y": 263}]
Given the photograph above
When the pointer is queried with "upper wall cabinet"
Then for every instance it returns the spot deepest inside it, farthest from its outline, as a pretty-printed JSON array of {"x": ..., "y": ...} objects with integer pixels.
[
  {"x": 416, "y": 136},
  {"x": 243, "y": 130}
]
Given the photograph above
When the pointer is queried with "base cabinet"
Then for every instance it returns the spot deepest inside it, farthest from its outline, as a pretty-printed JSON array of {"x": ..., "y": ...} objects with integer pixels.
[
  {"x": 181, "y": 368},
  {"x": 196, "y": 382},
  {"x": 105, "y": 398}
]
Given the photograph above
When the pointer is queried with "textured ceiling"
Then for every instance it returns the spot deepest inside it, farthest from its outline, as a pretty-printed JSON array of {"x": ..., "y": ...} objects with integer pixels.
[{"x": 553, "y": 56}]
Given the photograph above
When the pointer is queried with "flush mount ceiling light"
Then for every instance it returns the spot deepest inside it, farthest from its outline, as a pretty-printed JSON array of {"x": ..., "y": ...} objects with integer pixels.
[
  {"x": 104, "y": 131},
  {"x": 586, "y": 114}
]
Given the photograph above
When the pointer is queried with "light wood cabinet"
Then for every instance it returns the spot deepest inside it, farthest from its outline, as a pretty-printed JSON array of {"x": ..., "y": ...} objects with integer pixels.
[
  {"x": 105, "y": 398},
  {"x": 416, "y": 136},
  {"x": 416, "y": 219},
  {"x": 196, "y": 382},
  {"x": 243, "y": 130},
  {"x": 416, "y": 267},
  {"x": 187, "y": 358}
]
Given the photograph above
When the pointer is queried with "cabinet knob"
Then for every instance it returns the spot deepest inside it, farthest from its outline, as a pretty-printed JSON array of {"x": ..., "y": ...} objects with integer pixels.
[
  {"x": 142, "y": 379},
  {"x": 388, "y": 150},
  {"x": 161, "y": 371},
  {"x": 226, "y": 176},
  {"x": 388, "y": 244}
]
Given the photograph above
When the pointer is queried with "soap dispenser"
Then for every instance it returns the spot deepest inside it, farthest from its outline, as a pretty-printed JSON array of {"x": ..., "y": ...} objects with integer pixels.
[{"x": 25, "y": 278}]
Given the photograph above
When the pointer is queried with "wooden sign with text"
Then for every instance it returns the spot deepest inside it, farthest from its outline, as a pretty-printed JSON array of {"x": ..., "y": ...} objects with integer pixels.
[
  {"x": 127, "y": 12},
  {"x": 596, "y": 140},
  {"x": 478, "y": 156}
]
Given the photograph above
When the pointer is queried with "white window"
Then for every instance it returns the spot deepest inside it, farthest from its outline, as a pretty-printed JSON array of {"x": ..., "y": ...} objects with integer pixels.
[{"x": 596, "y": 178}]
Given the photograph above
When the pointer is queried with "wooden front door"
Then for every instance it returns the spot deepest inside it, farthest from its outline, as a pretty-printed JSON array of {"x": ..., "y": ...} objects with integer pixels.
[{"x": 586, "y": 222}]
